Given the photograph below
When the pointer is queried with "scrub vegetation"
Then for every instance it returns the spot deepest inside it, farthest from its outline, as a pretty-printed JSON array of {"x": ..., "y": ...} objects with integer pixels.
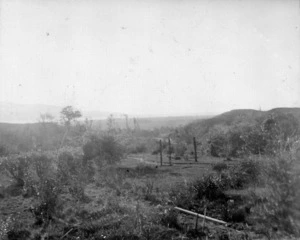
[{"x": 73, "y": 180}]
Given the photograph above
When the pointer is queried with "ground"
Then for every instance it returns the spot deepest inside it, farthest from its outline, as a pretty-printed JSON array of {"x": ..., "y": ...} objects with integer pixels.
[{"x": 123, "y": 195}]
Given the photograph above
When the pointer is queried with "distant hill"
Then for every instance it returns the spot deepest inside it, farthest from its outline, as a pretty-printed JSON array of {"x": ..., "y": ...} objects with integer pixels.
[
  {"x": 150, "y": 123},
  {"x": 239, "y": 117},
  {"x": 21, "y": 113},
  {"x": 30, "y": 113}
]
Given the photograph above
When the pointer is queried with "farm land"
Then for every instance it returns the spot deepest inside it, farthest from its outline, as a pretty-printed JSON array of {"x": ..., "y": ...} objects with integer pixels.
[{"x": 72, "y": 181}]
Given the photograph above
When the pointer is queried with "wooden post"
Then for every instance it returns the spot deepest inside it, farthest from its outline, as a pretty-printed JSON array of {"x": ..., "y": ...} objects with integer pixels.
[
  {"x": 203, "y": 223},
  {"x": 160, "y": 151},
  {"x": 195, "y": 150},
  {"x": 170, "y": 153}
]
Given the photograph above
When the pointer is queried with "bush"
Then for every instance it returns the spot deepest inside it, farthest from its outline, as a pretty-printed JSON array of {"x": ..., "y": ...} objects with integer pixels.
[
  {"x": 170, "y": 219},
  {"x": 48, "y": 191},
  {"x": 219, "y": 167},
  {"x": 144, "y": 169},
  {"x": 282, "y": 208},
  {"x": 69, "y": 166},
  {"x": 3, "y": 151},
  {"x": 112, "y": 178},
  {"x": 17, "y": 167},
  {"x": 44, "y": 166},
  {"x": 139, "y": 148},
  {"x": 103, "y": 150},
  {"x": 218, "y": 145},
  {"x": 245, "y": 172},
  {"x": 180, "y": 149},
  {"x": 182, "y": 195},
  {"x": 209, "y": 187}
]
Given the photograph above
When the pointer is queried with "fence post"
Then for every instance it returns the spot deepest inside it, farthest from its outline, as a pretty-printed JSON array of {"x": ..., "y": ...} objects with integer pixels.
[
  {"x": 195, "y": 149},
  {"x": 160, "y": 151},
  {"x": 170, "y": 153}
]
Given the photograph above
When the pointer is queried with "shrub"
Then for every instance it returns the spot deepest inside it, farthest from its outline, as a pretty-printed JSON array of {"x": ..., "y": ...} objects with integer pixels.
[
  {"x": 48, "y": 191},
  {"x": 170, "y": 219},
  {"x": 69, "y": 166},
  {"x": 103, "y": 150},
  {"x": 44, "y": 166},
  {"x": 282, "y": 208},
  {"x": 218, "y": 145},
  {"x": 138, "y": 148},
  {"x": 219, "y": 167},
  {"x": 182, "y": 195},
  {"x": 148, "y": 192},
  {"x": 209, "y": 187},
  {"x": 143, "y": 169},
  {"x": 180, "y": 149},
  {"x": 71, "y": 172},
  {"x": 3, "y": 151},
  {"x": 110, "y": 177},
  {"x": 245, "y": 172},
  {"x": 17, "y": 167}
]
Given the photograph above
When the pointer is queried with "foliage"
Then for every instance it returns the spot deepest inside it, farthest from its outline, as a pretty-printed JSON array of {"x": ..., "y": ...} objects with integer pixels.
[
  {"x": 3, "y": 151},
  {"x": 69, "y": 165},
  {"x": 72, "y": 173},
  {"x": 17, "y": 167},
  {"x": 48, "y": 191},
  {"x": 170, "y": 219},
  {"x": 103, "y": 150},
  {"x": 267, "y": 136},
  {"x": 281, "y": 210},
  {"x": 218, "y": 144},
  {"x": 68, "y": 115},
  {"x": 44, "y": 165},
  {"x": 255, "y": 141},
  {"x": 182, "y": 195},
  {"x": 209, "y": 187},
  {"x": 26, "y": 137},
  {"x": 112, "y": 127},
  {"x": 46, "y": 117},
  {"x": 180, "y": 149},
  {"x": 243, "y": 173},
  {"x": 219, "y": 167},
  {"x": 137, "y": 148},
  {"x": 143, "y": 169}
]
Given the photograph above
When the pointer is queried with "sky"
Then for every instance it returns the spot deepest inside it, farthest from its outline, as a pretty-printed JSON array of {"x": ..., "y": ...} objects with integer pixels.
[{"x": 151, "y": 57}]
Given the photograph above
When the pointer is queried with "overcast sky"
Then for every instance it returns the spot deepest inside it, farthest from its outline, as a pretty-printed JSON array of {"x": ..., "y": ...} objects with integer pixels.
[{"x": 170, "y": 57}]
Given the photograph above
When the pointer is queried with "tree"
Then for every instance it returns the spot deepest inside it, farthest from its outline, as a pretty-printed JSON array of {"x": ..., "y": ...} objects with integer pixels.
[
  {"x": 68, "y": 115},
  {"x": 111, "y": 125},
  {"x": 46, "y": 117}
]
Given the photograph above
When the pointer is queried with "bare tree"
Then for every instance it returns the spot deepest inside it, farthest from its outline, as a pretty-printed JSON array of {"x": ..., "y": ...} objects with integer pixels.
[{"x": 46, "y": 117}]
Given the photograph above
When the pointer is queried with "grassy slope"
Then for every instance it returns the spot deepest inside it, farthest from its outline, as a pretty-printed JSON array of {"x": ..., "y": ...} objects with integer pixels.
[{"x": 238, "y": 116}]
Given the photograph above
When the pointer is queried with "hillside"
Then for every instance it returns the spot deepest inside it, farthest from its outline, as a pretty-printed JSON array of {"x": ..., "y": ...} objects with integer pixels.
[
  {"x": 237, "y": 117},
  {"x": 150, "y": 123}
]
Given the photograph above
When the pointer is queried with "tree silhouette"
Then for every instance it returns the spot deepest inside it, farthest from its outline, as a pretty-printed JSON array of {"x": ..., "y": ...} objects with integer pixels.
[{"x": 68, "y": 114}]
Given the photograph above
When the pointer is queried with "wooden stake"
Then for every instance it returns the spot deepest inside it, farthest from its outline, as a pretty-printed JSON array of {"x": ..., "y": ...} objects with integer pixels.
[
  {"x": 195, "y": 149},
  {"x": 203, "y": 223},
  {"x": 160, "y": 151},
  {"x": 170, "y": 153}
]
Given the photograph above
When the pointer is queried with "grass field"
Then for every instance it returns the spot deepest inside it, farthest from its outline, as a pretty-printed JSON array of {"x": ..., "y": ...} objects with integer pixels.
[
  {"x": 138, "y": 181},
  {"x": 133, "y": 199}
]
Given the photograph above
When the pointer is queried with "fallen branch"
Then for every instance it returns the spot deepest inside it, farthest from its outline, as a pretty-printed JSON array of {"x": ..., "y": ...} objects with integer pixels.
[
  {"x": 67, "y": 233},
  {"x": 201, "y": 216}
]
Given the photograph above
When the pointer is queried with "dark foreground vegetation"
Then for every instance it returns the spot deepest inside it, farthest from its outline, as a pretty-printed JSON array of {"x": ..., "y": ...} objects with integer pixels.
[{"x": 71, "y": 181}]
